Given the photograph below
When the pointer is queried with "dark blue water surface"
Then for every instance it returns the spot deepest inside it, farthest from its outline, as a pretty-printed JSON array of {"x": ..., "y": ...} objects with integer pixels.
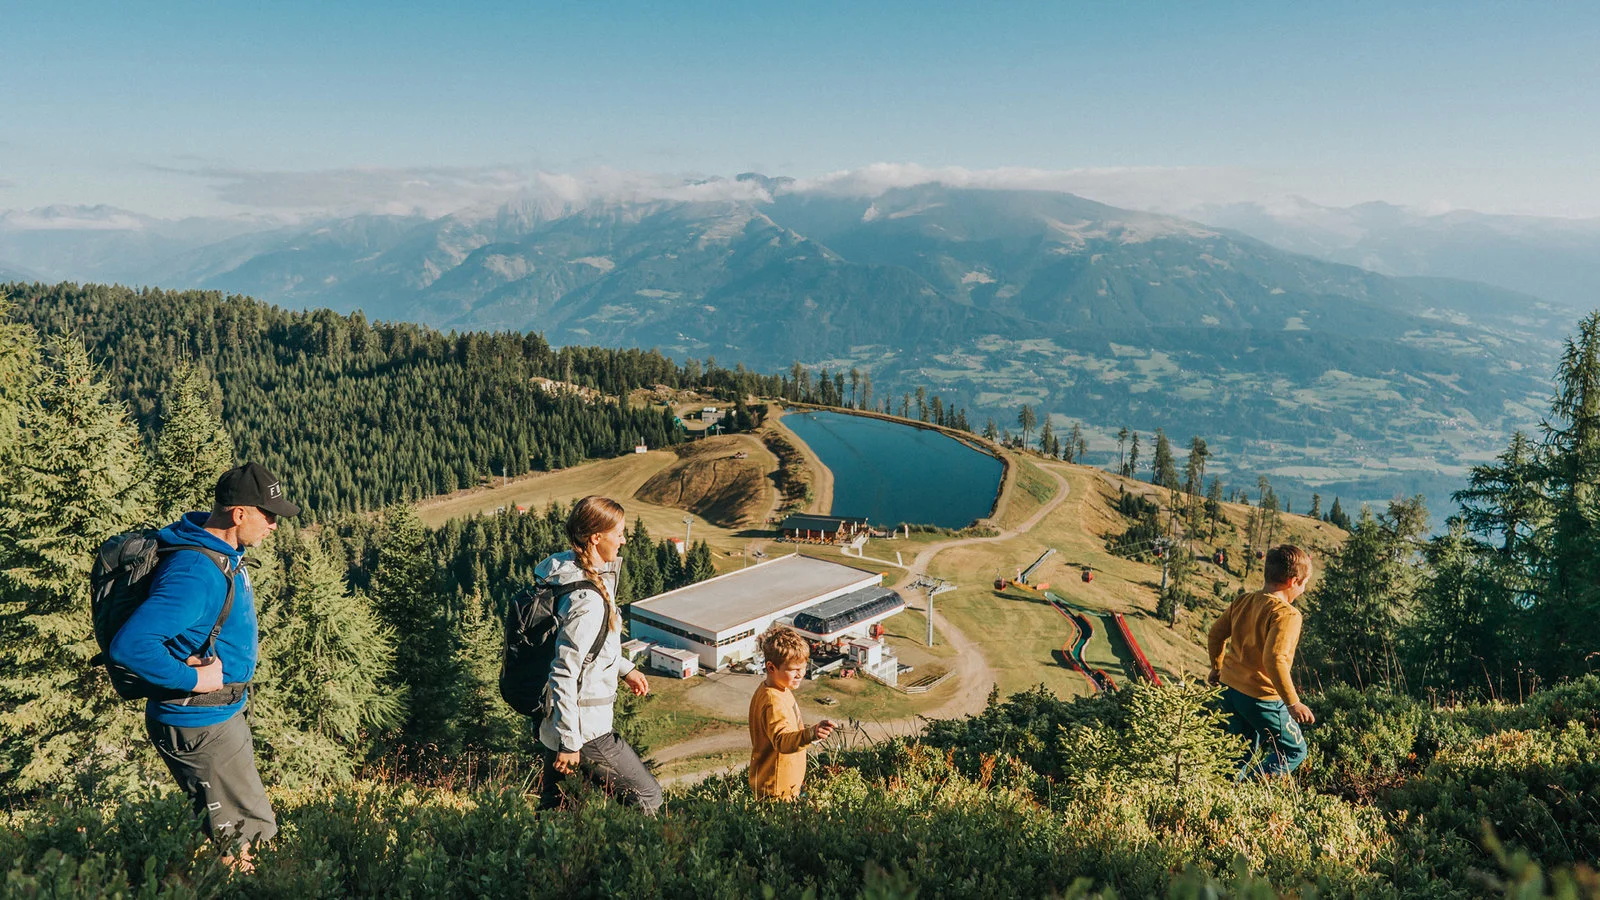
[{"x": 894, "y": 473}]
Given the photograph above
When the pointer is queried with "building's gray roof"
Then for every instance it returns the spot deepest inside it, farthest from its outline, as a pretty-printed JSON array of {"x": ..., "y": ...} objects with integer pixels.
[
  {"x": 804, "y": 522},
  {"x": 769, "y": 589}
]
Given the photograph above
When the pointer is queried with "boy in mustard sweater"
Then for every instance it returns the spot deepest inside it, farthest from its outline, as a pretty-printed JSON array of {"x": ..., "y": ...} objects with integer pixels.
[
  {"x": 778, "y": 738},
  {"x": 1261, "y": 631}
]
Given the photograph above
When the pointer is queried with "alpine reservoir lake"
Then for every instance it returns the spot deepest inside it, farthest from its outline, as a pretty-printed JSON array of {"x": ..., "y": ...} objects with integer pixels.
[{"x": 893, "y": 473}]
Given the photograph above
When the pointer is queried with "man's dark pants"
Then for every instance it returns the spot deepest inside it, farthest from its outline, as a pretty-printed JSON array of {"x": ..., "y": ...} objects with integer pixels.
[
  {"x": 215, "y": 766},
  {"x": 1269, "y": 727},
  {"x": 609, "y": 762}
]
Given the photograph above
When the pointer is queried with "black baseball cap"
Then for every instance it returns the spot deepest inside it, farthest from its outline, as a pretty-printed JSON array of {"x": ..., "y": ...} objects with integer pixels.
[{"x": 252, "y": 485}]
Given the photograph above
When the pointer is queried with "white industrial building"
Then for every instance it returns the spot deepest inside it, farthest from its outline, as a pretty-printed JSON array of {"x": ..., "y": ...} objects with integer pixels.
[{"x": 720, "y": 618}]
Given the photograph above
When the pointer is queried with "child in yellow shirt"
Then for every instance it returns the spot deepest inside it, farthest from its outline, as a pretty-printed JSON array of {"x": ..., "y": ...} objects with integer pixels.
[
  {"x": 778, "y": 739},
  {"x": 1252, "y": 647}
]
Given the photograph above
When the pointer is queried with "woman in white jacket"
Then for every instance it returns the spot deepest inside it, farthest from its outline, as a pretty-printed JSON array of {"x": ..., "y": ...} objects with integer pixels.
[{"x": 577, "y": 732}]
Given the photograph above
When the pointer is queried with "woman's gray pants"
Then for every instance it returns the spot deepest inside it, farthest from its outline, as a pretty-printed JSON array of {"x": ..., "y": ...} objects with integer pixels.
[{"x": 609, "y": 762}]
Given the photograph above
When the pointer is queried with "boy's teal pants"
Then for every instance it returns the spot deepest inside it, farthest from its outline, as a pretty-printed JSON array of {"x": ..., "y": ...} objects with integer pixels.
[{"x": 1270, "y": 729}]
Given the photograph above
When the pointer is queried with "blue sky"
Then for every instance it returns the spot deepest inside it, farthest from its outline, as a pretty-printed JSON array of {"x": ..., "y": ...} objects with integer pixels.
[{"x": 181, "y": 107}]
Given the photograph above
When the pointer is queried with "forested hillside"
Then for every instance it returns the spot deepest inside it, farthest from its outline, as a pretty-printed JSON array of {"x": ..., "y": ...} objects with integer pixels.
[{"x": 361, "y": 414}]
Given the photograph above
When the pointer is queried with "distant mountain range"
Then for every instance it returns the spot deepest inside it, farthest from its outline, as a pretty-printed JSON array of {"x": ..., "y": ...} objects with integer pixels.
[
  {"x": 1322, "y": 375},
  {"x": 1556, "y": 259}
]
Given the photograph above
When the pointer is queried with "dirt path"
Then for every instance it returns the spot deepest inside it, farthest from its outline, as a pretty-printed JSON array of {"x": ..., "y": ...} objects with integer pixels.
[
  {"x": 821, "y": 475},
  {"x": 972, "y": 670}
]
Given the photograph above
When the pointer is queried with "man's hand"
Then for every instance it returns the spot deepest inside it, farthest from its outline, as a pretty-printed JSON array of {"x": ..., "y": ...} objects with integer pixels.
[
  {"x": 1302, "y": 714},
  {"x": 1214, "y": 676},
  {"x": 637, "y": 683},
  {"x": 821, "y": 730},
  {"x": 567, "y": 763},
  {"x": 209, "y": 674}
]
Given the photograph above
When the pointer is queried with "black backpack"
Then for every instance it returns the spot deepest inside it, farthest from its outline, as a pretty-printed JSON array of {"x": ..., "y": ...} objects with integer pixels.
[
  {"x": 119, "y": 581},
  {"x": 530, "y": 648}
]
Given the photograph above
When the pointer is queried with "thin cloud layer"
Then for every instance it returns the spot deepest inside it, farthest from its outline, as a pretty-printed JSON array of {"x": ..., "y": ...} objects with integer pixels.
[
  {"x": 483, "y": 191},
  {"x": 439, "y": 191}
]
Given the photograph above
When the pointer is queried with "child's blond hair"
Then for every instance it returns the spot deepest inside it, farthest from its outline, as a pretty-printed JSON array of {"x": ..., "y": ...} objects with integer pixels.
[{"x": 783, "y": 646}]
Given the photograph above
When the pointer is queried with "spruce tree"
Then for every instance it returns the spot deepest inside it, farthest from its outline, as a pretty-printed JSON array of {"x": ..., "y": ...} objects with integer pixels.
[
  {"x": 483, "y": 721},
  {"x": 1365, "y": 598},
  {"x": 1337, "y": 517},
  {"x": 1506, "y": 500},
  {"x": 1467, "y": 634},
  {"x": 1567, "y": 555},
  {"x": 70, "y": 480},
  {"x": 1026, "y": 419},
  {"x": 325, "y": 655},
  {"x": 1163, "y": 468},
  {"x": 192, "y": 449},
  {"x": 699, "y": 566},
  {"x": 409, "y": 597},
  {"x": 19, "y": 360}
]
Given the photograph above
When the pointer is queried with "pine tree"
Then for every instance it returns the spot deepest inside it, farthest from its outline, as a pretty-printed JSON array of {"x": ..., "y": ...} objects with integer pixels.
[
  {"x": 1122, "y": 450},
  {"x": 1133, "y": 457},
  {"x": 1163, "y": 468},
  {"x": 1468, "y": 631},
  {"x": 1506, "y": 499},
  {"x": 1337, "y": 517},
  {"x": 1026, "y": 419},
  {"x": 699, "y": 566},
  {"x": 1316, "y": 506},
  {"x": 1566, "y": 550},
  {"x": 70, "y": 480},
  {"x": 1195, "y": 471},
  {"x": 1174, "y": 734},
  {"x": 482, "y": 720},
  {"x": 1047, "y": 438},
  {"x": 19, "y": 359},
  {"x": 325, "y": 655},
  {"x": 193, "y": 448},
  {"x": 409, "y": 597},
  {"x": 1365, "y": 598}
]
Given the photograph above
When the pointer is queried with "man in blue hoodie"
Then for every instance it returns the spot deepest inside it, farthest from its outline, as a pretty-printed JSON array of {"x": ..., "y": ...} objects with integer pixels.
[{"x": 201, "y": 735}]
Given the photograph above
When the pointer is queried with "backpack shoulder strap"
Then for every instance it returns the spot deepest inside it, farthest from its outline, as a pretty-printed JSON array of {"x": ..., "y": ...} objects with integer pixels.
[
  {"x": 229, "y": 572},
  {"x": 599, "y": 639}
]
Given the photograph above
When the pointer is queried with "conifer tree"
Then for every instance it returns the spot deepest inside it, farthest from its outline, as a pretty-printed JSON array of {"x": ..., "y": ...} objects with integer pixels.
[
  {"x": 1567, "y": 543},
  {"x": 1026, "y": 419},
  {"x": 1047, "y": 438},
  {"x": 699, "y": 566},
  {"x": 1337, "y": 517},
  {"x": 19, "y": 359},
  {"x": 1365, "y": 598},
  {"x": 1133, "y": 457},
  {"x": 409, "y": 598},
  {"x": 1195, "y": 471},
  {"x": 325, "y": 655},
  {"x": 70, "y": 480},
  {"x": 1213, "y": 506},
  {"x": 641, "y": 576},
  {"x": 1506, "y": 499},
  {"x": 1467, "y": 633},
  {"x": 192, "y": 449},
  {"x": 1163, "y": 468},
  {"x": 483, "y": 721},
  {"x": 1174, "y": 734}
]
